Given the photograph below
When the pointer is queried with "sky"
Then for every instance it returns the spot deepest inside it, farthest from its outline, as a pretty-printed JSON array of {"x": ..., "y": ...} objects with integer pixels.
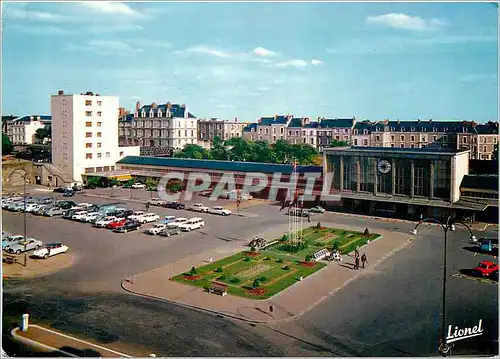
[{"x": 371, "y": 61}]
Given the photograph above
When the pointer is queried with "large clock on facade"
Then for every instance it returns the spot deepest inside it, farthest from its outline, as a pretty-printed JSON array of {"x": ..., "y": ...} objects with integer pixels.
[{"x": 384, "y": 166}]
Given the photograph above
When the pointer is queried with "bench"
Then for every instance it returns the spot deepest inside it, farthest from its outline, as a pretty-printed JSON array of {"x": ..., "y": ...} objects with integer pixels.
[
  {"x": 9, "y": 258},
  {"x": 218, "y": 288},
  {"x": 319, "y": 255},
  {"x": 270, "y": 244}
]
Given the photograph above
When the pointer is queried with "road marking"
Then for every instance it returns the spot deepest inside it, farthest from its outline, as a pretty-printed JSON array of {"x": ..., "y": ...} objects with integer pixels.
[{"x": 477, "y": 279}]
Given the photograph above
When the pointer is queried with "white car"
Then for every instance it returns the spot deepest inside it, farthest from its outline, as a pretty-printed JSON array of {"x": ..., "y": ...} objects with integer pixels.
[
  {"x": 90, "y": 216},
  {"x": 22, "y": 246},
  {"x": 199, "y": 207},
  {"x": 10, "y": 240},
  {"x": 138, "y": 185},
  {"x": 135, "y": 215},
  {"x": 78, "y": 216},
  {"x": 220, "y": 210},
  {"x": 156, "y": 229},
  {"x": 51, "y": 250},
  {"x": 192, "y": 224},
  {"x": 157, "y": 202},
  {"x": 84, "y": 205},
  {"x": 177, "y": 222},
  {"x": 104, "y": 222},
  {"x": 30, "y": 207},
  {"x": 147, "y": 218}
]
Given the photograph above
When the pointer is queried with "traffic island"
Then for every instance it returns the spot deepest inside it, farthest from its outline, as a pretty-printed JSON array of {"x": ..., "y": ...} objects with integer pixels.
[
  {"x": 290, "y": 296},
  {"x": 50, "y": 341},
  {"x": 13, "y": 265}
]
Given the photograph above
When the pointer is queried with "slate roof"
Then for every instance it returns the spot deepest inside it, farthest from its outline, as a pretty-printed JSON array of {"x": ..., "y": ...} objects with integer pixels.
[
  {"x": 278, "y": 120},
  {"x": 295, "y": 122},
  {"x": 337, "y": 122},
  {"x": 28, "y": 118},
  {"x": 484, "y": 182},
  {"x": 436, "y": 126},
  {"x": 176, "y": 110},
  {"x": 364, "y": 125},
  {"x": 249, "y": 127},
  {"x": 228, "y": 166}
]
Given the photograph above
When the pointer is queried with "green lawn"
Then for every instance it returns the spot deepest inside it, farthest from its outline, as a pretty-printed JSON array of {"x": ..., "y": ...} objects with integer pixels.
[{"x": 275, "y": 268}]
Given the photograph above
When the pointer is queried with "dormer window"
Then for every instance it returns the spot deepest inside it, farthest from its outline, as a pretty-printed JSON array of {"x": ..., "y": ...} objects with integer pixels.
[
  {"x": 365, "y": 132},
  {"x": 402, "y": 129},
  {"x": 434, "y": 129},
  {"x": 143, "y": 113},
  {"x": 160, "y": 113},
  {"x": 355, "y": 131},
  {"x": 413, "y": 129},
  {"x": 151, "y": 113}
]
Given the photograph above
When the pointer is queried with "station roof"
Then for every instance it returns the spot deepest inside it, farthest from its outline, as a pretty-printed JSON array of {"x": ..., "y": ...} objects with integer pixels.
[
  {"x": 229, "y": 166},
  {"x": 480, "y": 182}
]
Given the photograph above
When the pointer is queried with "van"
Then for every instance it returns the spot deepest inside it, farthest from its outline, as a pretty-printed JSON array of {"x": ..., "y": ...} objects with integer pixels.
[{"x": 192, "y": 224}]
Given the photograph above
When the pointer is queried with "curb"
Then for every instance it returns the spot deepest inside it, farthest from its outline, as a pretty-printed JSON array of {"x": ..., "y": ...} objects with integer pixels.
[
  {"x": 67, "y": 265},
  {"x": 34, "y": 344},
  {"x": 284, "y": 320}
]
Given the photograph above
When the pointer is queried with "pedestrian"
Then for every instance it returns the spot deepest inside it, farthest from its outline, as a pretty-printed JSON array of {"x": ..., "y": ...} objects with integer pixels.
[
  {"x": 308, "y": 217},
  {"x": 356, "y": 263},
  {"x": 364, "y": 260},
  {"x": 356, "y": 252},
  {"x": 147, "y": 206}
]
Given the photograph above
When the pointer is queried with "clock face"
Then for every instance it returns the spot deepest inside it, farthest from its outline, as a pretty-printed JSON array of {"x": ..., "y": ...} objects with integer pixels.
[{"x": 384, "y": 166}]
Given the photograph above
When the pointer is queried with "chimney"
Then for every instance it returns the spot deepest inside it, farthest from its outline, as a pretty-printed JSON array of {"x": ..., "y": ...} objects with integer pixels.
[
  {"x": 418, "y": 120},
  {"x": 137, "y": 106},
  {"x": 275, "y": 117},
  {"x": 60, "y": 92},
  {"x": 153, "y": 105},
  {"x": 399, "y": 122},
  {"x": 183, "y": 106},
  {"x": 169, "y": 105},
  {"x": 386, "y": 122},
  {"x": 236, "y": 119}
]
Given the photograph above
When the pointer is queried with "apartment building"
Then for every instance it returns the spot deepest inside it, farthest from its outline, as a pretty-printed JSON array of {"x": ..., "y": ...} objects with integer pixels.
[
  {"x": 208, "y": 129},
  {"x": 158, "y": 128},
  {"x": 85, "y": 134},
  {"x": 334, "y": 130},
  {"x": 21, "y": 131}
]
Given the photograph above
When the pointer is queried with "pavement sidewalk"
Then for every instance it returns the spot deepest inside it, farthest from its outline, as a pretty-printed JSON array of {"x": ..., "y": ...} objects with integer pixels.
[
  {"x": 51, "y": 341},
  {"x": 288, "y": 304}
]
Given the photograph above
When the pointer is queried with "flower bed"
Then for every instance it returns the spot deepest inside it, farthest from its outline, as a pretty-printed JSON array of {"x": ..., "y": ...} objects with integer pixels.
[
  {"x": 307, "y": 264},
  {"x": 192, "y": 278},
  {"x": 251, "y": 254},
  {"x": 256, "y": 291}
]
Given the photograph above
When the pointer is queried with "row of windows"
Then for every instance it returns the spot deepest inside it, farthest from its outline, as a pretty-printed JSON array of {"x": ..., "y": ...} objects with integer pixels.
[
  {"x": 89, "y": 145},
  {"x": 89, "y": 124},
  {"x": 89, "y": 103},
  {"x": 89, "y": 113},
  {"x": 89, "y": 156},
  {"x": 89, "y": 134}
]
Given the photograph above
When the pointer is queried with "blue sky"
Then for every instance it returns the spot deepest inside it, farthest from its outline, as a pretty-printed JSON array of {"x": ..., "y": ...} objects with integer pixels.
[{"x": 368, "y": 60}]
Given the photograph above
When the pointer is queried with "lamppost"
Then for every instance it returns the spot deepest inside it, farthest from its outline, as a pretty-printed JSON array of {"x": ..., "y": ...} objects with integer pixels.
[{"x": 448, "y": 225}]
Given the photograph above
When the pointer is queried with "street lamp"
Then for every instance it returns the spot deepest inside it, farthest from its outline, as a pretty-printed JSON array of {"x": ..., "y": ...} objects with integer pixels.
[{"x": 448, "y": 225}]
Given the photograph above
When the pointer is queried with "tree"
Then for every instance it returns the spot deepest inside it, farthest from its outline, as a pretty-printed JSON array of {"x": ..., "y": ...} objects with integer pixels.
[
  {"x": 7, "y": 146},
  {"x": 193, "y": 151},
  {"x": 308, "y": 258},
  {"x": 193, "y": 271},
  {"x": 218, "y": 151},
  {"x": 256, "y": 284},
  {"x": 112, "y": 182},
  {"x": 335, "y": 246},
  {"x": 282, "y": 150},
  {"x": 150, "y": 183},
  {"x": 43, "y": 133},
  {"x": 337, "y": 143},
  {"x": 93, "y": 182}
]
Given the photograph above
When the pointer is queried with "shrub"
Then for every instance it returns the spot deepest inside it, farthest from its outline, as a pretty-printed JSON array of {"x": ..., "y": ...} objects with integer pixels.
[
  {"x": 286, "y": 267},
  {"x": 284, "y": 238},
  {"x": 219, "y": 270},
  {"x": 255, "y": 284},
  {"x": 247, "y": 259},
  {"x": 263, "y": 279},
  {"x": 252, "y": 249},
  {"x": 336, "y": 246},
  {"x": 279, "y": 260},
  {"x": 235, "y": 280},
  {"x": 293, "y": 248},
  {"x": 308, "y": 258},
  {"x": 222, "y": 277},
  {"x": 193, "y": 271},
  {"x": 366, "y": 232},
  {"x": 318, "y": 226},
  {"x": 267, "y": 258}
]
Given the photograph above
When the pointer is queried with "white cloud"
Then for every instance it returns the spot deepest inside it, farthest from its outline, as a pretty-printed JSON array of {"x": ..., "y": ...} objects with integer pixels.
[
  {"x": 115, "y": 8},
  {"x": 40, "y": 30},
  {"x": 316, "y": 62},
  {"x": 106, "y": 47},
  {"x": 260, "y": 51},
  {"x": 20, "y": 12},
  {"x": 292, "y": 63},
  {"x": 204, "y": 50},
  {"x": 406, "y": 22}
]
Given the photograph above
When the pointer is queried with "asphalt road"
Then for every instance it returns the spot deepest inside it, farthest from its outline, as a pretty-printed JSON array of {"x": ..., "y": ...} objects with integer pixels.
[{"x": 391, "y": 311}]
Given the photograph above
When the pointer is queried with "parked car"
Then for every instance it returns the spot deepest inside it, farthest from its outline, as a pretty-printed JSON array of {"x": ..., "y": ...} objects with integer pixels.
[
  {"x": 494, "y": 275},
  {"x": 69, "y": 213},
  {"x": 59, "y": 190},
  {"x": 54, "y": 211},
  {"x": 298, "y": 212},
  {"x": 100, "y": 217},
  {"x": 206, "y": 193},
  {"x": 157, "y": 202},
  {"x": 22, "y": 246},
  {"x": 16, "y": 206},
  {"x": 127, "y": 227},
  {"x": 199, "y": 207},
  {"x": 39, "y": 211},
  {"x": 177, "y": 222},
  {"x": 30, "y": 207},
  {"x": 175, "y": 205},
  {"x": 135, "y": 215},
  {"x": 69, "y": 193},
  {"x": 168, "y": 219},
  {"x": 10, "y": 240},
  {"x": 116, "y": 223},
  {"x": 85, "y": 205},
  {"x": 90, "y": 216},
  {"x": 317, "y": 209},
  {"x": 78, "y": 216},
  {"x": 220, "y": 210},
  {"x": 147, "y": 218},
  {"x": 105, "y": 221},
  {"x": 138, "y": 185},
  {"x": 170, "y": 231},
  {"x": 192, "y": 224},
  {"x": 51, "y": 250},
  {"x": 156, "y": 229},
  {"x": 485, "y": 269},
  {"x": 124, "y": 214}
]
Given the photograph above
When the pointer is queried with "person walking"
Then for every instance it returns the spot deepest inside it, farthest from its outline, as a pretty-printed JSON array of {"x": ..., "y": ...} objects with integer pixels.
[
  {"x": 356, "y": 252},
  {"x": 364, "y": 260},
  {"x": 308, "y": 217},
  {"x": 356, "y": 263},
  {"x": 147, "y": 206}
]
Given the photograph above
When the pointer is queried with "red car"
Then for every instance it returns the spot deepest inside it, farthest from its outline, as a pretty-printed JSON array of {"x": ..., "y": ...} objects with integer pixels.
[
  {"x": 118, "y": 223},
  {"x": 485, "y": 268}
]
